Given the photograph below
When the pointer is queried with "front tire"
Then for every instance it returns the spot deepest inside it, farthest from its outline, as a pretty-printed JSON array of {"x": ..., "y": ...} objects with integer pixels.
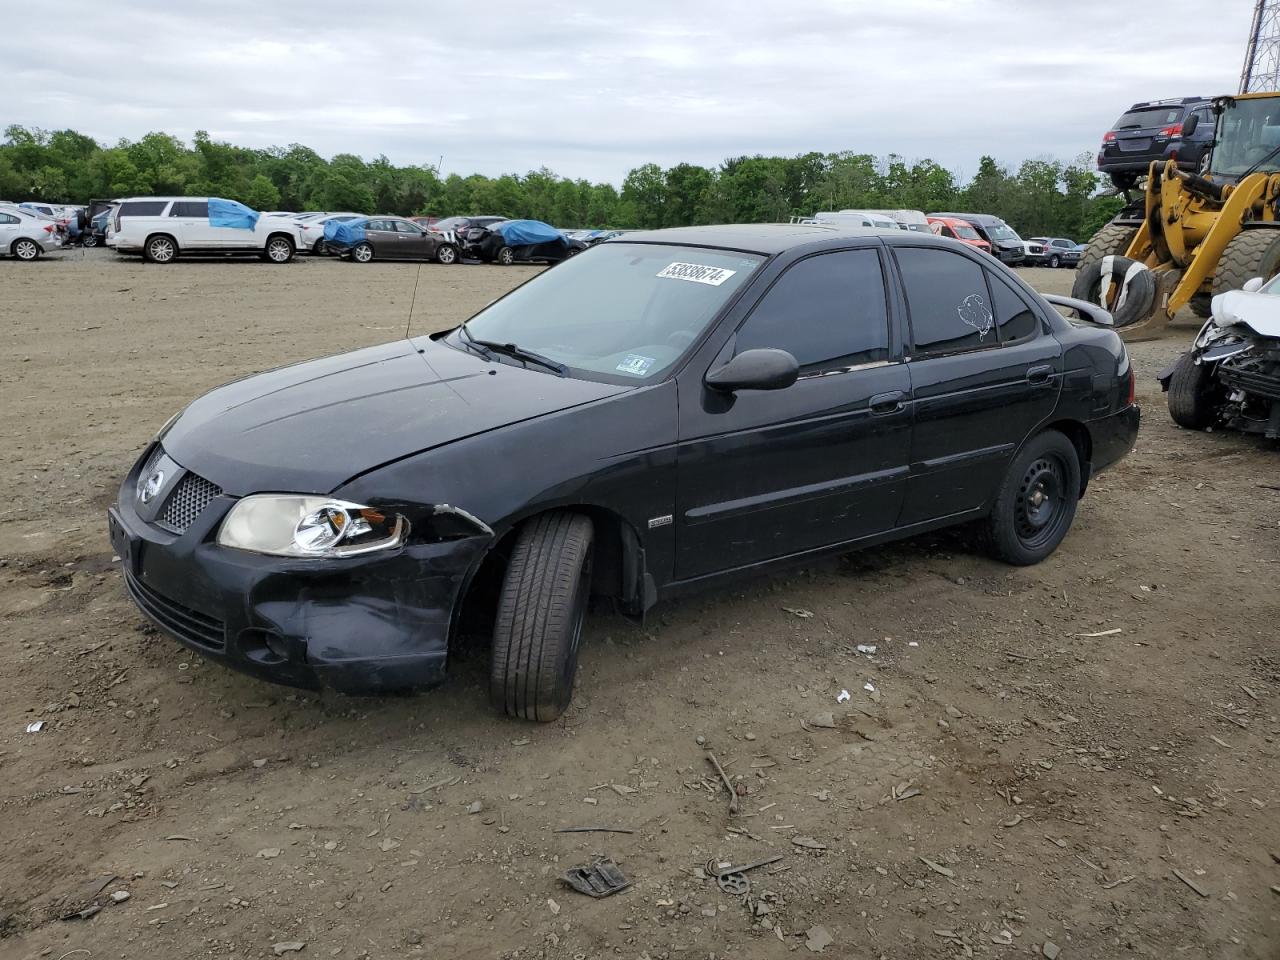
[
  {"x": 506, "y": 256},
  {"x": 278, "y": 250},
  {"x": 447, "y": 254},
  {"x": 24, "y": 249},
  {"x": 541, "y": 609},
  {"x": 1191, "y": 394},
  {"x": 1055, "y": 261},
  {"x": 362, "y": 253},
  {"x": 91, "y": 241},
  {"x": 1037, "y": 500},
  {"x": 160, "y": 249}
]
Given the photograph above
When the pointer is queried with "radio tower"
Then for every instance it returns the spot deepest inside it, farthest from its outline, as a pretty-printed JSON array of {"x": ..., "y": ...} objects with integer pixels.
[{"x": 1261, "y": 71}]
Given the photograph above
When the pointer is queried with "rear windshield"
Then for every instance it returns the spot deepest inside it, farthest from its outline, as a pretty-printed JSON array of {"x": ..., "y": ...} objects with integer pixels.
[{"x": 1149, "y": 117}]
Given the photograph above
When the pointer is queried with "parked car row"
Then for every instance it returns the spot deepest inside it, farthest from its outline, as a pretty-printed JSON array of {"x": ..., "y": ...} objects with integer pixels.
[{"x": 26, "y": 234}]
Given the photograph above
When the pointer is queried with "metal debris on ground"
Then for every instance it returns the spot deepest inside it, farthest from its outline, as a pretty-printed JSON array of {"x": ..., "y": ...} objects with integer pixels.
[
  {"x": 602, "y": 878},
  {"x": 593, "y": 830},
  {"x": 724, "y": 778},
  {"x": 1190, "y": 883},
  {"x": 842, "y": 696},
  {"x": 808, "y": 843},
  {"x": 937, "y": 867},
  {"x": 818, "y": 939},
  {"x": 734, "y": 884},
  {"x": 868, "y": 648},
  {"x": 1100, "y": 633},
  {"x": 798, "y": 612},
  {"x": 35, "y": 726}
]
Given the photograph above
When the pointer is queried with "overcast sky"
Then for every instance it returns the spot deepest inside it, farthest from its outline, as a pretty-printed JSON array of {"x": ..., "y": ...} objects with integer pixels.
[{"x": 591, "y": 90}]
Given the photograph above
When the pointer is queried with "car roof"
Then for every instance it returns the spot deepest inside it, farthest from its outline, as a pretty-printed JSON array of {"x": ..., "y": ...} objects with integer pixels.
[
  {"x": 766, "y": 238},
  {"x": 983, "y": 218}
]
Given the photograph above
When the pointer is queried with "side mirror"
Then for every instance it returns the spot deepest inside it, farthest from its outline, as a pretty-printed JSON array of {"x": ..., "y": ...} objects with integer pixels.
[
  {"x": 1189, "y": 125},
  {"x": 1254, "y": 285},
  {"x": 755, "y": 370}
]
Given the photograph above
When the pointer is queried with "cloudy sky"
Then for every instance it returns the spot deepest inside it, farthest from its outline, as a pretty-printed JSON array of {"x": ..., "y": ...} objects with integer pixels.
[{"x": 592, "y": 90}]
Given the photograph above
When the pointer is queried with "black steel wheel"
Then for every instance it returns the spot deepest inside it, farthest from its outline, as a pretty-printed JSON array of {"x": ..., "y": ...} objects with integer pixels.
[{"x": 1037, "y": 500}]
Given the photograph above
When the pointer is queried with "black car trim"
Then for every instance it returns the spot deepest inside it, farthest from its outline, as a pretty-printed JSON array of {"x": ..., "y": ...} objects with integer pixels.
[
  {"x": 793, "y": 495},
  {"x": 954, "y": 459},
  {"x": 187, "y": 625}
]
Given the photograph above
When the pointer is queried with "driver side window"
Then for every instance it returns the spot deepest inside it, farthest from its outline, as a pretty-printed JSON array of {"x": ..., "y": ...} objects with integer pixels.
[{"x": 827, "y": 311}]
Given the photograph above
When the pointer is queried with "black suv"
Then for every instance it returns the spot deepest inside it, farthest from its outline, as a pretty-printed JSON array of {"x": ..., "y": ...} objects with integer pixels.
[{"x": 1153, "y": 131}]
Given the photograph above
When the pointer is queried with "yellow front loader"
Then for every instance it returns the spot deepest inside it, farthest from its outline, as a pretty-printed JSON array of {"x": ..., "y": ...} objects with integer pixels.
[{"x": 1191, "y": 236}]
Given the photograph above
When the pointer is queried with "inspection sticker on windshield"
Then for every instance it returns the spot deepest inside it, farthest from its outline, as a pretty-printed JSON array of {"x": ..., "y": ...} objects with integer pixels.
[
  {"x": 635, "y": 365},
  {"x": 697, "y": 273}
]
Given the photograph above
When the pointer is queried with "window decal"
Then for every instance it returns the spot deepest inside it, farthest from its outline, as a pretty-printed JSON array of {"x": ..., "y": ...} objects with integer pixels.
[
  {"x": 974, "y": 311},
  {"x": 635, "y": 365},
  {"x": 697, "y": 273}
]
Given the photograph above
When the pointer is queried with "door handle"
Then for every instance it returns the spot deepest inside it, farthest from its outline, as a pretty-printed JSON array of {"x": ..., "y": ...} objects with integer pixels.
[
  {"x": 1039, "y": 374},
  {"x": 883, "y": 403}
]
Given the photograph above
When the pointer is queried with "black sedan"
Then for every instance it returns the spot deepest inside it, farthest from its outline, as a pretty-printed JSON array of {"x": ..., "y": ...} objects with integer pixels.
[{"x": 662, "y": 412}]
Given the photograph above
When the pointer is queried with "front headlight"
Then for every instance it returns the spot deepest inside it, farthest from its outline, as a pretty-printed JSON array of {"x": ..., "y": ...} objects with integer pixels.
[{"x": 305, "y": 526}]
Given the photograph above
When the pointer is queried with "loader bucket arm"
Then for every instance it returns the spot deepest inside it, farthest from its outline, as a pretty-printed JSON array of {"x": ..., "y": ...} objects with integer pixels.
[{"x": 1204, "y": 259}]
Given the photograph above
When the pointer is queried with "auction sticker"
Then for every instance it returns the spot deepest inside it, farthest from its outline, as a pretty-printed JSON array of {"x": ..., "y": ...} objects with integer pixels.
[
  {"x": 635, "y": 365},
  {"x": 697, "y": 273}
]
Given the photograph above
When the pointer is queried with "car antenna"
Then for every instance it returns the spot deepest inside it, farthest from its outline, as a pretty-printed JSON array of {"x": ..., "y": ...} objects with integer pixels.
[{"x": 408, "y": 324}]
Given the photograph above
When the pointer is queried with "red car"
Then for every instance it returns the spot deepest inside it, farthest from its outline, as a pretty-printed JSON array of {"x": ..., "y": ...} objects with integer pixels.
[{"x": 958, "y": 230}]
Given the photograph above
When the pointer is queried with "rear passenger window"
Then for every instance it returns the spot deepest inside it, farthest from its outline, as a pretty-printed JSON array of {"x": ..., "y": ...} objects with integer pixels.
[
  {"x": 827, "y": 311},
  {"x": 8, "y": 218},
  {"x": 1015, "y": 318},
  {"x": 948, "y": 300},
  {"x": 404, "y": 226},
  {"x": 142, "y": 208},
  {"x": 190, "y": 208}
]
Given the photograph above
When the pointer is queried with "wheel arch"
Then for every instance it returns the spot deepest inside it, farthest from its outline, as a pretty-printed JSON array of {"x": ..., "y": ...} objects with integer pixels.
[
  {"x": 619, "y": 568},
  {"x": 1081, "y": 439},
  {"x": 18, "y": 240},
  {"x": 160, "y": 233}
]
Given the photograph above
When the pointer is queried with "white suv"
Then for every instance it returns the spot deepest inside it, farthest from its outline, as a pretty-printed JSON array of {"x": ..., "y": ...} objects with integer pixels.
[{"x": 161, "y": 228}]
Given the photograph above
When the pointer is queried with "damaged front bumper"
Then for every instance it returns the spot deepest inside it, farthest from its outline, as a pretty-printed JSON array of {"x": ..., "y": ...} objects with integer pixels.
[{"x": 363, "y": 624}]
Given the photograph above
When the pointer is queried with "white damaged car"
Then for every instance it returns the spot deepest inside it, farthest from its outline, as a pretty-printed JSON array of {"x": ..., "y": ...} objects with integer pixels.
[{"x": 1231, "y": 376}]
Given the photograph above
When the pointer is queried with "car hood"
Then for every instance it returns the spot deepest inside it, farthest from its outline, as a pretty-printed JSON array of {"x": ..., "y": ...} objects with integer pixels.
[
  {"x": 311, "y": 427},
  {"x": 1260, "y": 312}
]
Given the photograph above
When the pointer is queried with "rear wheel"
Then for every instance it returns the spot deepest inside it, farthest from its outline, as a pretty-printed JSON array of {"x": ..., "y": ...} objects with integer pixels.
[
  {"x": 541, "y": 609},
  {"x": 362, "y": 253},
  {"x": 318, "y": 249},
  {"x": 446, "y": 253},
  {"x": 1124, "y": 181},
  {"x": 1191, "y": 400},
  {"x": 160, "y": 249},
  {"x": 91, "y": 240},
  {"x": 25, "y": 249},
  {"x": 1251, "y": 253},
  {"x": 506, "y": 256},
  {"x": 1055, "y": 261},
  {"x": 1037, "y": 500}
]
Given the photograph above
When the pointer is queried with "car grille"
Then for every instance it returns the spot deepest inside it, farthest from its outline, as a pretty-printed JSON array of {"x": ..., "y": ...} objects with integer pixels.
[
  {"x": 188, "y": 500},
  {"x": 181, "y": 621}
]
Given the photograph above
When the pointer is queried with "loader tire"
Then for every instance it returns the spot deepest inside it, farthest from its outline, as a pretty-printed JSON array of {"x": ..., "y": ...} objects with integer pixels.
[
  {"x": 1202, "y": 305},
  {"x": 1131, "y": 292},
  {"x": 1111, "y": 240},
  {"x": 1251, "y": 253},
  {"x": 1191, "y": 394}
]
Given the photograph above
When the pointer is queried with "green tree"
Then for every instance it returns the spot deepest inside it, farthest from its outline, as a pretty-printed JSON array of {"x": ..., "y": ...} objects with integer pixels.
[{"x": 261, "y": 193}]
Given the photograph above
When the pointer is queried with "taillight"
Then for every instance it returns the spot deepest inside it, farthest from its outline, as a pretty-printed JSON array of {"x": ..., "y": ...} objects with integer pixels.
[
  {"x": 1133, "y": 388},
  {"x": 1109, "y": 136},
  {"x": 50, "y": 228},
  {"x": 1174, "y": 130},
  {"x": 116, "y": 228}
]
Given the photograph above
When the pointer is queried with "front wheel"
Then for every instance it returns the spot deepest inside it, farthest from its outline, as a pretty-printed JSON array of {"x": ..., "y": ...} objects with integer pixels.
[
  {"x": 541, "y": 609},
  {"x": 1055, "y": 261},
  {"x": 1037, "y": 500},
  {"x": 506, "y": 256},
  {"x": 362, "y": 253},
  {"x": 1191, "y": 401},
  {"x": 278, "y": 250},
  {"x": 447, "y": 254},
  {"x": 91, "y": 241}
]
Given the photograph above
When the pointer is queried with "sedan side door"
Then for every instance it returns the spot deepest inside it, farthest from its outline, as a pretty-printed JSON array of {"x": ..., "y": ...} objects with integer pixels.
[
  {"x": 767, "y": 474},
  {"x": 985, "y": 372},
  {"x": 384, "y": 239},
  {"x": 10, "y": 229},
  {"x": 411, "y": 240}
]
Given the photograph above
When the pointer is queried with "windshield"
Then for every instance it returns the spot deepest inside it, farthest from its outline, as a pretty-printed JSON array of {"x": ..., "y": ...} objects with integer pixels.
[
  {"x": 1002, "y": 231},
  {"x": 1247, "y": 132},
  {"x": 1148, "y": 117},
  {"x": 966, "y": 232},
  {"x": 619, "y": 312}
]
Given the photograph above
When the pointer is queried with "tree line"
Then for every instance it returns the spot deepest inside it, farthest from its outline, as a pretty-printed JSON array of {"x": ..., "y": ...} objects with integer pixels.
[{"x": 1039, "y": 197}]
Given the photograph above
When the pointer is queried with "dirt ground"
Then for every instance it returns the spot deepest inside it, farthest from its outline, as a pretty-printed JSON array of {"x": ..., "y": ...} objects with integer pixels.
[{"x": 1082, "y": 752}]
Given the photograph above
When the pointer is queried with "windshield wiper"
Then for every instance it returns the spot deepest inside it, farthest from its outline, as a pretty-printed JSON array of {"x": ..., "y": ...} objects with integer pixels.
[
  {"x": 471, "y": 341},
  {"x": 519, "y": 353}
]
